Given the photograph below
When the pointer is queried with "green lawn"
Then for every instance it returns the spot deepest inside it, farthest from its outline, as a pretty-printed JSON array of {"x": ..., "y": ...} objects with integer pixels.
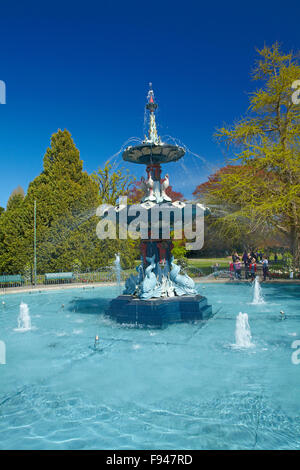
[
  {"x": 208, "y": 262},
  {"x": 205, "y": 262},
  {"x": 223, "y": 262}
]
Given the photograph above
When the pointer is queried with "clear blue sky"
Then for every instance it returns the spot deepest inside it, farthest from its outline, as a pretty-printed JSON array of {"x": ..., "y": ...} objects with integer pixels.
[{"x": 86, "y": 65}]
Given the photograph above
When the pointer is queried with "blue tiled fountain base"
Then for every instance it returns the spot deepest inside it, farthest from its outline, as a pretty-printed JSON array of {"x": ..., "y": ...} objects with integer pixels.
[{"x": 159, "y": 312}]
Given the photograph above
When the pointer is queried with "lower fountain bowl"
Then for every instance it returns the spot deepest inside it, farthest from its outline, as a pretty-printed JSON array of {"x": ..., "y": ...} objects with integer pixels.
[{"x": 160, "y": 312}]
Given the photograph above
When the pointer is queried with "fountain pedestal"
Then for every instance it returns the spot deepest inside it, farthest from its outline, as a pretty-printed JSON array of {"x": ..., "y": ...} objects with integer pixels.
[{"x": 159, "y": 312}]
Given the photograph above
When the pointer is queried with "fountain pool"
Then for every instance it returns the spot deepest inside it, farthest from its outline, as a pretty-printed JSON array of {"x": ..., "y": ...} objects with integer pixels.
[{"x": 183, "y": 387}]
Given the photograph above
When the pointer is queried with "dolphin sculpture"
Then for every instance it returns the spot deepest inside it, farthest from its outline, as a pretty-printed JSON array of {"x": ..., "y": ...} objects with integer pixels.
[
  {"x": 149, "y": 287},
  {"x": 183, "y": 284}
]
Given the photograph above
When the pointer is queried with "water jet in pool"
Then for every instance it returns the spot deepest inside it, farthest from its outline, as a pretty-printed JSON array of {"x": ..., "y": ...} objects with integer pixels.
[{"x": 24, "y": 320}]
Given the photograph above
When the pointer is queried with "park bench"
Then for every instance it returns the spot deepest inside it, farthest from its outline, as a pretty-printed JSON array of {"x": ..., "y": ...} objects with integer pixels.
[
  {"x": 11, "y": 280},
  {"x": 51, "y": 278}
]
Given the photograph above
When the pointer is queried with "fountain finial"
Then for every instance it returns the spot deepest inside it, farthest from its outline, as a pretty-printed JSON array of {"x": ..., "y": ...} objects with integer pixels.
[
  {"x": 152, "y": 106},
  {"x": 152, "y": 150}
]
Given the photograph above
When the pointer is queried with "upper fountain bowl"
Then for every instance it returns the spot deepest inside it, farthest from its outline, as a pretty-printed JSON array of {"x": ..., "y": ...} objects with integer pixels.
[{"x": 150, "y": 153}]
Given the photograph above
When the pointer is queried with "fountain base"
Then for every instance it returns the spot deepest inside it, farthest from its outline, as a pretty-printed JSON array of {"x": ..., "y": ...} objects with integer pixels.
[{"x": 159, "y": 312}]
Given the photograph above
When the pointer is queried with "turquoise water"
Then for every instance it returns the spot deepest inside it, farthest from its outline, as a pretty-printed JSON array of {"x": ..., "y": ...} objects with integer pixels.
[{"x": 184, "y": 387}]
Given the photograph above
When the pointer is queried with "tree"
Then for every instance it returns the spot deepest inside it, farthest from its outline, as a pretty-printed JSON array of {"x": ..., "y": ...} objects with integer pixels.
[
  {"x": 67, "y": 199},
  {"x": 136, "y": 193},
  {"x": 16, "y": 197},
  {"x": 221, "y": 234},
  {"x": 13, "y": 241},
  {"x": 174, "y": 195},
  {"x": 65, "y": 194},
  {"x": 213, "y": 180},
  {"x": 264, "y": 190},
  {"x": 112, "y": 184},
  {"x": 179, "y": 250}
]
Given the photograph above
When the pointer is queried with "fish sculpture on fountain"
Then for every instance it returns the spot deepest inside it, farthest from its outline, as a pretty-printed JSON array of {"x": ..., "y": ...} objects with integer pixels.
[
  {"x": 183, "y": 284},
  {"x": 150, "y": 287},
  {"x": 133, "y": 282},
  {"x": 131, "y": 285}
]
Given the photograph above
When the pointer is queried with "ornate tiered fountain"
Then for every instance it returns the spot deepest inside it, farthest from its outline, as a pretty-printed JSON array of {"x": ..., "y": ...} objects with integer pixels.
[{"x": 159, "y": 294}]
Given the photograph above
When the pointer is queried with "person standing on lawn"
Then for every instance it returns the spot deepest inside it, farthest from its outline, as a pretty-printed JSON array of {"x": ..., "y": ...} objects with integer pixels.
[
  {"x": 265, "y": 266},
  {"x": 231, "y": 269},
  {"x": 253, "y": 269},
  {"x": 247, "y": 266},
  {"x": 237, "y": 268}
]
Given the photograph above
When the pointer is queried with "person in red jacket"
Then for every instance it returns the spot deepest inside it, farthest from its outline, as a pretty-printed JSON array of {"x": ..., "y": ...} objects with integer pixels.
[{"x": 231, "y": 269}]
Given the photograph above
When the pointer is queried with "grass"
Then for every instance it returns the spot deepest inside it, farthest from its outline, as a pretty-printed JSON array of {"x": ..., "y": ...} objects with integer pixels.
[
  {"x": 223, "y": 262},
  {"x": 205, "y": 262},
  {"x": 209, "y": 262}
]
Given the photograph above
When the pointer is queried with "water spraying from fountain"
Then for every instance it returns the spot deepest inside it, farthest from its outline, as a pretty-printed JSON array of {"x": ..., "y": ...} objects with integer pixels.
[
  {"x": 24, "y": 320},
  {"x": 118, "y": 271},
  {"x": 115, "y": 160},
  {"x": 242, "y": 332},
  {"x": 257, "y": 293},
  {"x": 191, "y": 164}
]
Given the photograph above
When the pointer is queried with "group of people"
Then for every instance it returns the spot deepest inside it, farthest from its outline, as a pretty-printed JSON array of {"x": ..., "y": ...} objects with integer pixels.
[{"x": 250, "y": 261}]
